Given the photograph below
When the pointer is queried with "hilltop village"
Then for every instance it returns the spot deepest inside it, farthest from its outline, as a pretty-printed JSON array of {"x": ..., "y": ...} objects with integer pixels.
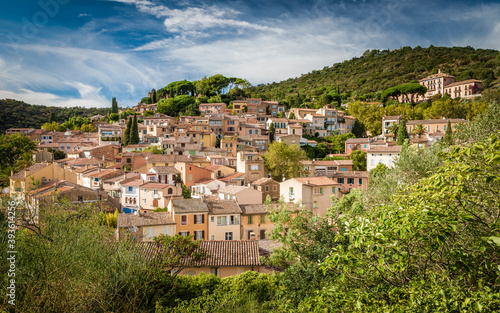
[{"x": 213, "y": 176}]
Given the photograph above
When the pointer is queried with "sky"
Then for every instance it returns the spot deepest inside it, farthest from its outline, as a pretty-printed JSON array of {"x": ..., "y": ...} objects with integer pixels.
[{"x": 84, "y": 52}]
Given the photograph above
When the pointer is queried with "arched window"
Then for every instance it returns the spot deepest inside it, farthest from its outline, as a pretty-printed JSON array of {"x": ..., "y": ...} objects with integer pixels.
[
  {"x": 169, "y": 191},
  {"x": 135, "y": 201}
]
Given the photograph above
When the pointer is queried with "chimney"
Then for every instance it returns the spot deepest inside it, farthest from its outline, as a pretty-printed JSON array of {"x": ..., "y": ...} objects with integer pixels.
[{"x": 307, "y": 182}]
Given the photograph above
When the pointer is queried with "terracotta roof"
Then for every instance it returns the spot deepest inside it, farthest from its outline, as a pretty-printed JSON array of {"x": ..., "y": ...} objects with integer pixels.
[
  {"x": 361, "y": 174},
  {"x": 155, "y": 185},
  {"x": 236, "y": 175},
  {"x": 189, "y": 206},
  {"x": 107, "y": 173},
  {"x": 263, "y": 180},
  {"x": 316, "y": 181},
  {"x": 463, "y": 82},
  {"x": 357, "y": 140},
  {"x": 170, "y": 158},
  {"x": 394, "y": 117},
  {"x": 253, "y": 209},
  {"x": 165, "y": 170},
  {"x": 235, "y": 189},
  {"x": 132, "y": 183},
  {"x": 332, "y": 162},
  {"x": 145, "y": 219},
  {"x": 384, "y": 149},
  {"x": 32, "y": 169},
  {"x": 204, "y": 181},
  {"x": 437, "y": 121},
  {"x": 223, "y": 207}
]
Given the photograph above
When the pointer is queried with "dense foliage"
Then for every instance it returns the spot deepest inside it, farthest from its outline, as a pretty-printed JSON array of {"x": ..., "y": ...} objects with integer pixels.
[{"x": 15, "y": 113}]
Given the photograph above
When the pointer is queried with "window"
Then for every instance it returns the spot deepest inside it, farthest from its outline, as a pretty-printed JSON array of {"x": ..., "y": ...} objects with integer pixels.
[
  {"x": 212, "y": 237},
  {"x": 190, "y": 177},
  {"x": 214, "y": 271},
  {"x": 262, "y": 218},
  {"x": 150, "y": 232},
  {"x": 145, "y": 190},
  {"x": 315, "y": 204},
  {"x": 130, "y": 189},
  {"x": 229, "y": 235},
  {"x": 290, "y": 191},
  {"x": 249, "y": 234},
  {"x": 275, "y": 188},
  {"x": 184, "y": 220},
  {"x": 144, "y": 201},
  {"x": 360, "y": 181},
  {"x": 199, "y": 219},
  {"x": 340, "y": 180},
  {"x": 254, "y": 167},
  {"x": 350, "y": 181},
  {"x": 167, "y": 230},
  {"x": 267, "y": 187},
  {"x": 234, "y": 220},
  {"x": 169, "y": 191},
  {"x": 321, "y": 190},
  {"x": 184, "y": 233},
  {"x": 364, "y": 146},
  {"x": 250, "y": 219},
  {"x": 199, "y": 235},
  {"x": 221, "y": 220},
  {"x": 262, "y": 234}
]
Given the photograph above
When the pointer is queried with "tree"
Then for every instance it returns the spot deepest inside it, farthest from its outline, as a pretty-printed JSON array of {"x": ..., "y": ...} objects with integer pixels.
[
  {"x": 134, "y": 132},
  {"x": 358, "y": 158},
  {"x": 217, "y": 83},
  {"x": 52, "y": 117},
  {"x": 284, "y": 161},
  {"x": 113, "y": 117},
  {"x": 88, "y": 128},
  {"x": 402, "y": 133},
  {"x": 419, "y": 131},
  {"x": 59, "y": 154},
  {"x": 271, "y": 133},
  {"x": 291, "y": 116},
  {"x": 448, "y": 135},
  {"x": 114, "y": 106},
  {"x": 146, "y": 100},
  {"x": 13, "y": 147},
  {"x": 127, "y": 134},
  {"x": 358, "y": 129},
  {"x": 153, "y": 96},
  {"x": 394, "y": 129}
]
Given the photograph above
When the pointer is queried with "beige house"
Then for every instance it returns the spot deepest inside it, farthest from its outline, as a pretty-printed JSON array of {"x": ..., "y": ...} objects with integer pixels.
[
  {"x": 435, "y": 84},
  {"x": 145, "y": 226},
  {"x": 382, "y": 154},
  {"x": 224, "y": 220},
  {"x": 37, "y": 174},
  {"x": 242, "y": 195},
  {"x": 314, "y": 193},
  {"x": 465, "y": 89},
  {"x": 268, "y": 187},
  {"x": 250, "y": 163},
  {"x": 191, "y": 217},
  {"x": 156, "y": 195}
]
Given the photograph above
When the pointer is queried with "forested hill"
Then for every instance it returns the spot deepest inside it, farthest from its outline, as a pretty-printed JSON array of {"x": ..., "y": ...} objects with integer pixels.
[
  {"x": 15, "y": 113},
  {"x": 378, "y": 70}
]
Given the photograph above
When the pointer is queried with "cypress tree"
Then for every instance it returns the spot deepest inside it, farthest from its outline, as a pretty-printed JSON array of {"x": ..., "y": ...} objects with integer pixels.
[
  {"x": 402, "y": 133},
  {"x": 126, "y": 136},
  {"x": 114, "y": 105},
  {"x": 448, "y": 134},
  {"x": 134, "y": 132},
  {"x": 51, "y": 117}
]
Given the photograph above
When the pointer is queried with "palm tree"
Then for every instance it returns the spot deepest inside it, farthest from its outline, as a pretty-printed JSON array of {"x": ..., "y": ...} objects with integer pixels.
[
  {"x": 394, "y": 130},
  {"x": 419, "y": 131}
]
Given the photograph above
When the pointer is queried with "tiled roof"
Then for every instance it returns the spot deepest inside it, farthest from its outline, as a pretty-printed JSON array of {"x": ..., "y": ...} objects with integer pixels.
[
  {"x": 263, "y": 180},
  {"x": 253, "y": 208},
  {"x": 189, "y": 206},
  {"x": 463, "y": 82},
  {"x": 223, "y": 207},
  {"x": 437, "y": 121},
  {"x": 236, "y": 175},
  {"x": 170, "y": 158},
  {"x": 357, "y": 140},
  {"x": 316, "y": 181},
  {"x": 357, "y": 174},
  {"x": 384, "y": 149},
  {"x": 32, "y": 169},
  {"x": 332, "y": 162},
  {"x": 106, "y": 173},
  {"x": 394, "y": 117},
  {"x": 165, "y": 170},
  {"x": 155, "y": 185},
  {"x": 234, "y": 189},
  {"x": 145, "y": 219}
]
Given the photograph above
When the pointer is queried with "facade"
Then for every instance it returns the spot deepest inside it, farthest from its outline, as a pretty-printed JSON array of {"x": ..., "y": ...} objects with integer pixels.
[
  {"x": 242, "y": 195},
  {"x": 212, "y": 108},
  {"x": 224, "y": 220},
  {"x": 313, "y": 193},
  {"x": 250, "y": 163},
  {"x": 191, "y": 217},
  {"x": 464, "y": 89},
  {"x": 268, "y": 187},
  {"x": 145, "y": 226},
  {"x": 350, "y": 180},
  {"x": 434, "y": 125},
  {"x": 382, "y": 154},
  {"x": 435, "y": 84},
  {"x": 352, "y": 144}
]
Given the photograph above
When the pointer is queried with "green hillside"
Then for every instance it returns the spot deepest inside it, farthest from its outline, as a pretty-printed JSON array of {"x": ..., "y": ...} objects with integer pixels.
[
  {"x": 15, "y": 113},
  {"x": 367, "y": 76}
]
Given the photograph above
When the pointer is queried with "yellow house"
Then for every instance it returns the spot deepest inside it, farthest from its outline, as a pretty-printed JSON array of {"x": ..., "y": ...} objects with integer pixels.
[
  {"x": 37, "y": 174},
  {"x": 207, "y": 139}
]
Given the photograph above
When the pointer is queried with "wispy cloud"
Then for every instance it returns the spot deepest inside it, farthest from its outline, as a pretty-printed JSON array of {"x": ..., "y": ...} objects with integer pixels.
[{"x": 50, "y": 99}]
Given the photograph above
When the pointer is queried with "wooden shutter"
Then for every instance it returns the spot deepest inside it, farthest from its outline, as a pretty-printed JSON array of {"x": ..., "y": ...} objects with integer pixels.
[
  {"x": 194, "y": 219},
  {"x": 203, "y": 218},
  {"x": 203, "y": 234}
]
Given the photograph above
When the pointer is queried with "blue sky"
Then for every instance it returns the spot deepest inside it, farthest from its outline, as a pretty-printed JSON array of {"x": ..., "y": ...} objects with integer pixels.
[{"x": 83, "y": 52}]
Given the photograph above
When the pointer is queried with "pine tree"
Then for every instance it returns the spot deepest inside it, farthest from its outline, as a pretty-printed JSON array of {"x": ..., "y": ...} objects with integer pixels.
[
  {"x": 134, "y": 131},
  {"x": 126, "y": 136},
  {"x": 402, "y": 133}
]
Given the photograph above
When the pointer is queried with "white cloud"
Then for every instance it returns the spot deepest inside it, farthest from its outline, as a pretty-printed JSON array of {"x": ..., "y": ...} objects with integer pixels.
[{"x": 49, "y": 99}]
